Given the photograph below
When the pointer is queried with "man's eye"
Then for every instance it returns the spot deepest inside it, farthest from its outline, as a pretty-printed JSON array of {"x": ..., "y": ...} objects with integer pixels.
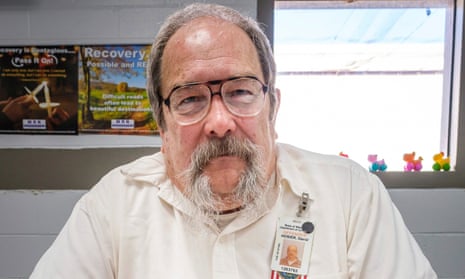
[
  {"x": 190, "y": 103},
  {"x": 191, "y": 99},
  {"x": 240, "y": 93},
  {"x": 243, "y": 96}
]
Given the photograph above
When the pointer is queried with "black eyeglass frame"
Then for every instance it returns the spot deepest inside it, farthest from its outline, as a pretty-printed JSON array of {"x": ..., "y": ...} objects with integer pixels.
[{"x": 166, "y": 101}]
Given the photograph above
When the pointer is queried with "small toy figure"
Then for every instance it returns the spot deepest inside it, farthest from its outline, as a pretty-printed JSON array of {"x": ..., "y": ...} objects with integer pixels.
[
  {"x": 342, "y": 154},
  {"x": 412, "y": 164},
  {"x": 441, "y": 163},
  {"x": 376, "y": 165}
]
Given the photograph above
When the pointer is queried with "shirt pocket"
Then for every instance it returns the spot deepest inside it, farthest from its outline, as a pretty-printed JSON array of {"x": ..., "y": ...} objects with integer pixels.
[{"x": 341, "y": 275}]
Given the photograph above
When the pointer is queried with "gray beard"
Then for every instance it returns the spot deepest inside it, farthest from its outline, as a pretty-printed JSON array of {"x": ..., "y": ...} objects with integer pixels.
[{"x": 250, "y": 191}]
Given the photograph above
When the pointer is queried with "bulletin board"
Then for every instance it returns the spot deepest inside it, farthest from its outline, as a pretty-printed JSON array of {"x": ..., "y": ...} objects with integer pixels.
[{"x": 70, "y": 113}]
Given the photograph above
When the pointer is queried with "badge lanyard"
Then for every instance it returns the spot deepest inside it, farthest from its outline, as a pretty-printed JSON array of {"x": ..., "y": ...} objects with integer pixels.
[{"x": 293, "y": 244}]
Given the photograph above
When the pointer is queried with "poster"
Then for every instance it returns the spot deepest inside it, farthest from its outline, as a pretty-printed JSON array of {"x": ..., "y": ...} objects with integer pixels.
[
  {"x": 112, "y": 90},
  {"x": 38, "y": 89}
]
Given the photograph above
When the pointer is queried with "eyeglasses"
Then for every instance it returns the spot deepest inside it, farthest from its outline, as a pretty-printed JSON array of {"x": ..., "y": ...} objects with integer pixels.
[{"x": 243, "y": 96}]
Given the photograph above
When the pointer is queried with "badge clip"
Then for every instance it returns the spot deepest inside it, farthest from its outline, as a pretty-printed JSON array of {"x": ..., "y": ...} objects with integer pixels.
[{"x": 303, "y": 205}]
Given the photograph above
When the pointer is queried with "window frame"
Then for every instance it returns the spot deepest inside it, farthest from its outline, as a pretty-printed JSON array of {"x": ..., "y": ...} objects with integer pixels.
[{"x": 424, "y": 179}]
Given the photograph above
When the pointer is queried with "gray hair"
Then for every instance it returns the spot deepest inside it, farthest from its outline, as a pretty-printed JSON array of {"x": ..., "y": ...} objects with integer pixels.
[{"x": 184, "y": 16}]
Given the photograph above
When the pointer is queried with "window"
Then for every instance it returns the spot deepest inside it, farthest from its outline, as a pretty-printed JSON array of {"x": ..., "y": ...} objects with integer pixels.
[{"x": 373, "y": 77}]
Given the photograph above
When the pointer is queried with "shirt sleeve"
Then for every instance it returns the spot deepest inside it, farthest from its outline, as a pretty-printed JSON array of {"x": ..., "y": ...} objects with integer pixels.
[
  {"x": 379, "y": 243},
  {"x": 82, "y": 249}
]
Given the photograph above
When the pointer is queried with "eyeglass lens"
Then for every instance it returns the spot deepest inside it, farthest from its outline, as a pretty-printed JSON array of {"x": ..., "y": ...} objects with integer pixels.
[{"x": 242, "y": 97}]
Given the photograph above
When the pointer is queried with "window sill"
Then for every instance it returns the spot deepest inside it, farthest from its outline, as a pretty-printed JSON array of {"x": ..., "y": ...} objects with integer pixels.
[
  {"x": 423, "y": 179},
  {"x": 81, "y": 141}
]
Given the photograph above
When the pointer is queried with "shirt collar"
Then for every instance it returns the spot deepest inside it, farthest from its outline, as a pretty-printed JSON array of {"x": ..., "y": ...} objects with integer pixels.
[
  {"x": 290, "y": 166},
  {"x": 150, "y": 169},
  {"x": 293, "y": 170}
]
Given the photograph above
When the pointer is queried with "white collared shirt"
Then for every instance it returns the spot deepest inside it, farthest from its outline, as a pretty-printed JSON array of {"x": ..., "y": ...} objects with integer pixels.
[{"x": 132, "y": 224}]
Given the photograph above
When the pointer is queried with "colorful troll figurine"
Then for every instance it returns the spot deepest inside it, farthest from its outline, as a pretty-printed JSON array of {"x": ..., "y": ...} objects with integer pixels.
[
  {"x": 342, "y": 154},
  {"x": 376, "y": 165},
  {"x": 412, "y": 164},
  {"x": 441, "y": 163}
]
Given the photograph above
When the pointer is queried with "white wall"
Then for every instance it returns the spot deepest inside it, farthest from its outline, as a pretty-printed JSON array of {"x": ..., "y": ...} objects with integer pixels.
[
  {"x": 30, "y": 219},
  {"x": 90, "y": 21}
]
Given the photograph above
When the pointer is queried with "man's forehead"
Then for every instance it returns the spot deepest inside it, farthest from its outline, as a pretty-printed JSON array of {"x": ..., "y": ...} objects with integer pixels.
[
  {"x": 202, "y": 29},
  {"x": 198, "y": 37},
  {"x": 206, "y": 42}
]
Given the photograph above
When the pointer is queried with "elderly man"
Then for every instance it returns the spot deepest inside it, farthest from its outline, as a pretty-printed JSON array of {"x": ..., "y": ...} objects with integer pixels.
[
  {"x": 220, "y": 197},
  {"x": 291, "y": 258}
]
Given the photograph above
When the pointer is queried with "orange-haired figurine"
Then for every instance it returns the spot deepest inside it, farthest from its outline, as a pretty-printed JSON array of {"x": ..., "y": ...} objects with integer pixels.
[{"x": 412, "y": 164}]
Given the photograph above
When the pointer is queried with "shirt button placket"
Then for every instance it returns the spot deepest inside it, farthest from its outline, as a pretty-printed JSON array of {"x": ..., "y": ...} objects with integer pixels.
[{"x": 224, "y": 258}]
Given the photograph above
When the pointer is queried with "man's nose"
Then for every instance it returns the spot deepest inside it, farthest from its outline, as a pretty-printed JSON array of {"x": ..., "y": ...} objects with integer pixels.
[{"x": 219, "y": 121}]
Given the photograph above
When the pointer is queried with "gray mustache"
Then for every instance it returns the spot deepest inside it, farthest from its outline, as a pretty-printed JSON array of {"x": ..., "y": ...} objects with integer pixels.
[{"x": 228, "y": 146}]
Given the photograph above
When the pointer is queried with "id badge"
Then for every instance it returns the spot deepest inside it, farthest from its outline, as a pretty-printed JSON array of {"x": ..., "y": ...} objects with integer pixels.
[{"x": 292, "y": 248}]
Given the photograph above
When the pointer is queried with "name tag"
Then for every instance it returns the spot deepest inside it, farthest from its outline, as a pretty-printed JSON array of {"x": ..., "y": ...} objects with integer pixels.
[{"x": 292, "y": 248}]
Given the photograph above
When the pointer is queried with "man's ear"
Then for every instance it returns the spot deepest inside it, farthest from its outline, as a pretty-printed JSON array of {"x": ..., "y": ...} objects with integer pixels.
[
  {"x": 276, "y": 105},
  {"x": 275, "y": 110},
  {"x": 162, "y": 137}
]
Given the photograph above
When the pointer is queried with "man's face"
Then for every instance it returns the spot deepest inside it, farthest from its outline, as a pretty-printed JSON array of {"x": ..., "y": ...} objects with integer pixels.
[
  {"x": 292, "y": 252},
  {"x": 208, "y": 49}
]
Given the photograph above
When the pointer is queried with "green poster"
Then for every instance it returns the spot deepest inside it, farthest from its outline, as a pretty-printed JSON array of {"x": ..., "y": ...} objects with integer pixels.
[{"x": 112, "y": 90}]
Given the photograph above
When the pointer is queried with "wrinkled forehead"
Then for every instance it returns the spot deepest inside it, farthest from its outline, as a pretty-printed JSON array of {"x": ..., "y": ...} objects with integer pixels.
[
  {"x": 208, "y": 45},
  {"x": 204, "y": 35}
]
